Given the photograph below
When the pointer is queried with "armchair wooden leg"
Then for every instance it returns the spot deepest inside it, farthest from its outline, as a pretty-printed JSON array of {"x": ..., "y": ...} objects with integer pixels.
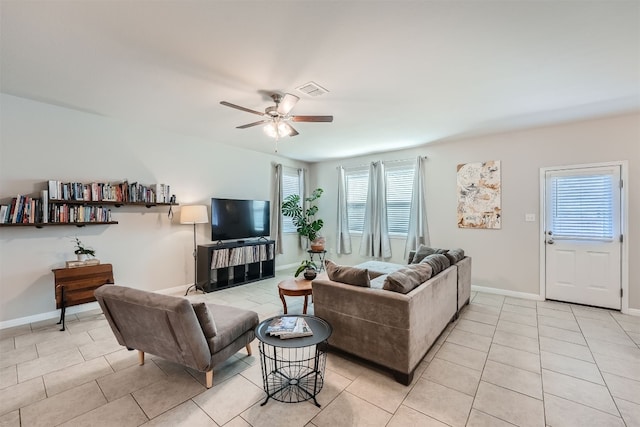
[
  {"x": 249, "y": 349},
  {"x": 141, "y": 357},
  {"x": 209, "y": 377}
]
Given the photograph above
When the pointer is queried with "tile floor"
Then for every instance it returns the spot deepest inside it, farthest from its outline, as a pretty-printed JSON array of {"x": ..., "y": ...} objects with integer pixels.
[{"x": 504, "y": 362}]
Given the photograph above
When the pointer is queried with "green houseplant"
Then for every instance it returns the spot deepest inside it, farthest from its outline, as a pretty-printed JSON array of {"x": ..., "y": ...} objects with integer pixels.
[
  {"x": 82, "y": 251},
  {"x": 304, "y": 220},
  {"x": 310, "y": 269}
]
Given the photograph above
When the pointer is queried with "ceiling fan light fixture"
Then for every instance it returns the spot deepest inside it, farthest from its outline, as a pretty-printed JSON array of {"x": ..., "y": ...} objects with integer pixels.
[{"x": 271, "y": 130}]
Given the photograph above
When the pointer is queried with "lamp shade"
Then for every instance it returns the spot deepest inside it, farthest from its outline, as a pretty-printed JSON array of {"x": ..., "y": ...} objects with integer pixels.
[{"x": 194, "y": 214}]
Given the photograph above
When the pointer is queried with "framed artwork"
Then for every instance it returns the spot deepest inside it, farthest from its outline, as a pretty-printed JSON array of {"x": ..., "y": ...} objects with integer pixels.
[{"x": 479, "y": 189}]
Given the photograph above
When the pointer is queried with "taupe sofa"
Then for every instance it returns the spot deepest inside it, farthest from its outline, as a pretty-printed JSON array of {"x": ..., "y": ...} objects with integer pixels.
[
  {"x": 392, "y": 329},
  {"x": 196, "y": 335}
]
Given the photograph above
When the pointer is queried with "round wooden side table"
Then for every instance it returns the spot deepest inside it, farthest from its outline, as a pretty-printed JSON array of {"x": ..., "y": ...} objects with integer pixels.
[{"x": 295, "y": 288}]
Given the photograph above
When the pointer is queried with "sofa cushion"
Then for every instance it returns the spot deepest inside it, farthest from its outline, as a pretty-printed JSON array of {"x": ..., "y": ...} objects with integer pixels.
[
  {"x": 424, "y": 251},
  {"x": 349, "y": 275},
  {"x": 454, "y": 255},
  {"x": 378, "y": 282},
  {"x": 205, "y": 319},
  {"x": 232, "y": 322},
  {"x": 408, "y": 278},
  {"x": 438, "y": 263},
  {"x": 379, "y": 268}
]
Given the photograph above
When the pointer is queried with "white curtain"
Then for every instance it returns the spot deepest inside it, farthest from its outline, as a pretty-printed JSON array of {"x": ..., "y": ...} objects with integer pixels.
[
  {"x": 375, "y": 234},
  {"x": 276, "y": 207},
  {"x": 344, "y": 238},
  {"x": 302, "y": 175},
  {"x": 418, "y": 225}
]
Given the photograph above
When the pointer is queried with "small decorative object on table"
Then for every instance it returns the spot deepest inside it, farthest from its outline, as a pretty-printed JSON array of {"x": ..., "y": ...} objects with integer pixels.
[
  {"x": 310, "y": 269},
  {"x": 289, "y": 327},
  {"x": 81, "y": 251}
]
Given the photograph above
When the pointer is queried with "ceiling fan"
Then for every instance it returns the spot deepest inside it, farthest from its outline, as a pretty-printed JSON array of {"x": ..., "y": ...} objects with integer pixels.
[{"x": 276, "y": 118}]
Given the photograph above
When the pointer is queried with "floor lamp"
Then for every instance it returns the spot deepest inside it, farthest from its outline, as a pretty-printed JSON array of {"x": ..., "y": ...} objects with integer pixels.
[{"x": 195, "y": 214}]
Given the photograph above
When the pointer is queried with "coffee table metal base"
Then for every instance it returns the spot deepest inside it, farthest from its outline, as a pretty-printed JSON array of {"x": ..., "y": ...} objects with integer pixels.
[
  {"x": 293, "y": 369},
  {"x": 293, "y": 374}
]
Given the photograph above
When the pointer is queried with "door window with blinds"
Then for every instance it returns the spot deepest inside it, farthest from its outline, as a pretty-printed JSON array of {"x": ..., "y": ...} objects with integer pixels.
[
  {"x": 584, "y": 207},
  {"x": 290, "y": 185},
  {"x": 399, "y": 183}
]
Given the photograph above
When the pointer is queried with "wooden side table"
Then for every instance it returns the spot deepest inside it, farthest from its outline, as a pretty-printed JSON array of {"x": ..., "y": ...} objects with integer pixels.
[
  {"x": 294, "y": 288},
  {"x": 76, "y": 285}
]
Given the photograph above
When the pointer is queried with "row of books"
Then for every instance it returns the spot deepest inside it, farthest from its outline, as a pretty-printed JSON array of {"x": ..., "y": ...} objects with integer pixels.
[
  {"x": 226, "y": 257},
  {"x": 75, "y": 213},
  {"x": 24, "y": 210},
  {"x": 289, "y": 327},
  {"x": 30, "y": 210},
  {"x": 111, "y": 192}
]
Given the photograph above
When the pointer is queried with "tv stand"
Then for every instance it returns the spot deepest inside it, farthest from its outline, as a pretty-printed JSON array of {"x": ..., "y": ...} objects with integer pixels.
[{"x": 227, "y": 264}]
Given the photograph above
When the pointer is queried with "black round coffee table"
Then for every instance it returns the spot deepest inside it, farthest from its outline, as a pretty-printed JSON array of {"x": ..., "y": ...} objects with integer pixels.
[{"x": 293, "y": 369}]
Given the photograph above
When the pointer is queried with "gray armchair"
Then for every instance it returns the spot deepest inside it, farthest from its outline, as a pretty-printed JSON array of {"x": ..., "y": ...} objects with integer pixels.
[{"x": 196, "y": 335}]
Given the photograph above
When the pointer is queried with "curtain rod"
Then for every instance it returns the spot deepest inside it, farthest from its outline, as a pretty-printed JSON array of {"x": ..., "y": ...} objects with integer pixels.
[{"x": 383, "y": 161}]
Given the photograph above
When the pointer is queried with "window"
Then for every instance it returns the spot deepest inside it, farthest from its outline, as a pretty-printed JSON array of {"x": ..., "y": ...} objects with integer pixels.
[
  {"x": 290, "y": 185},
  {"x": 399, "y": 190},
  {"x": 582, "y": 206},
  {"x": 357, "y": 183},
  {"x": 399, "y": 179}
]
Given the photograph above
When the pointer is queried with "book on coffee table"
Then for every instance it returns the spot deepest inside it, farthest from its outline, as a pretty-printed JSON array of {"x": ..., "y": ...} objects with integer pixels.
[
  {"x": 301, "y": 329},
  {"x": 289, "y": 327}
]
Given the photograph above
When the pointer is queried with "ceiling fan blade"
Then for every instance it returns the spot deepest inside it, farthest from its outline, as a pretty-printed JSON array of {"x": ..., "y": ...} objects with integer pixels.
[
  {"x": 237, "y": 107},
  {"x": 287, "y": 103},
  {"x": 312, "y": 118},
  {"x": 290, "y": 129},
  {"x": 253, "y": 124}
]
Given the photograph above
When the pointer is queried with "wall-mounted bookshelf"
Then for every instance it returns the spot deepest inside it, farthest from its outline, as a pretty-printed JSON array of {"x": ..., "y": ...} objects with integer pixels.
[{"x": 80, "y": 204}]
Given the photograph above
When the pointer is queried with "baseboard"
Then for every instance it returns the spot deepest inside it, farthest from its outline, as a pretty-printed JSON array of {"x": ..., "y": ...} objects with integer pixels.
[
  {"x": 48, "y": 315},
  {"x": 174, "y": 290},
  {"x": 507, "y": 293},
  {"x": 632, "y": 311},
  {"x": 287, "y": 267}
]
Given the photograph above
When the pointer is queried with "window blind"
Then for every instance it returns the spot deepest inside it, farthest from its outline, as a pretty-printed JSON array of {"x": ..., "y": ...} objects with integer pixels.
[
  {"x": 399, "y": 180},
  {"x": 290, "y": 185},
  {"x": 399, "y": 190},
  {"x": 582, "y": 206},
  {"x": 357, "y": 183}
]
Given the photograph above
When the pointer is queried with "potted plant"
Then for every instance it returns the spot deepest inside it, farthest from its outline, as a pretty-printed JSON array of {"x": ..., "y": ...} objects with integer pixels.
[
  {"x": 304, "y": 219},
  {"x": 310, "y": 269},
  {"x": 82, "y": 251}
]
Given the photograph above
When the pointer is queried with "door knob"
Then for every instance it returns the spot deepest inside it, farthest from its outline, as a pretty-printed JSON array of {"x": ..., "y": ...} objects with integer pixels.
[{"x": 550, "y": 241}]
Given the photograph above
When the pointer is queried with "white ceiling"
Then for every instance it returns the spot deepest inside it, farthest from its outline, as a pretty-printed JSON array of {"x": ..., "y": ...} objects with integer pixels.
[{"x": 400, "y": 74}]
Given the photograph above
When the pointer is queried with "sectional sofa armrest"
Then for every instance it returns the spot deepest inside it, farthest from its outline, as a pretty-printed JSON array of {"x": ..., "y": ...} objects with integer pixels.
[{"x": 464, "y": 281}]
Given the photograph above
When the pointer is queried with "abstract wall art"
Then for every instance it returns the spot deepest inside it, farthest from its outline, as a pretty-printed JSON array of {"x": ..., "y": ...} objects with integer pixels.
[{"x": 479, "y": 188}]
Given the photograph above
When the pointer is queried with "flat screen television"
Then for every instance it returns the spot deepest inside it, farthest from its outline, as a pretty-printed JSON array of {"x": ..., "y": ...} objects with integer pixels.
[{"x": 239, "y": 219}]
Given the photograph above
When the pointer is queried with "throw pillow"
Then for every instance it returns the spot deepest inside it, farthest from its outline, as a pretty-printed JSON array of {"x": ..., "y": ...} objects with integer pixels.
[
  {"x": 454, "y": 255},
  {"x": 349, "y": 275},
  {"x": 422, "y": 252},
  {"x": 205, "y": 319},
  {"x": 438, "y": 263},
  {"x": 408, "y": 278}
]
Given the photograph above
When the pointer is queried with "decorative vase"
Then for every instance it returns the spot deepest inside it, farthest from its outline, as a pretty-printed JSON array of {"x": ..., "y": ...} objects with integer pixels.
[
  {"x": 310, "y": 274},
  {"x": 317, "y": 245},
  {"x": 82, "y": 257}
]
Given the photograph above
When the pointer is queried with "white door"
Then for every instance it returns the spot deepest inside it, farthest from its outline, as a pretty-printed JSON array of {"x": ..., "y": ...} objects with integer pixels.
[{"x": 582, "y": 236}]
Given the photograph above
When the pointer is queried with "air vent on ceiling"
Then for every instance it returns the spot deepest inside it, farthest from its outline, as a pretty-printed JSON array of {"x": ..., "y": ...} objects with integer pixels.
[{"x": 312, "y": 89}]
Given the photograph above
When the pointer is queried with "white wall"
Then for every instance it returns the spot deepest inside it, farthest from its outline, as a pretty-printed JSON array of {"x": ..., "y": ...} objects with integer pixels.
[
  {"x": 507, "y": 258},
  {"x": 149, "y": 251}
]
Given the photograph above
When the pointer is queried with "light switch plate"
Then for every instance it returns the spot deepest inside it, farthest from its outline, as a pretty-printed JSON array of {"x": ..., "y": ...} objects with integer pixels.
[{"x": 530, "y": 217}]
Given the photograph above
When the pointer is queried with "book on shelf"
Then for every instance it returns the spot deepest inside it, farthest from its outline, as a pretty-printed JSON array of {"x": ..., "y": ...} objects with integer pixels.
[{"x": 289, "y": 327}]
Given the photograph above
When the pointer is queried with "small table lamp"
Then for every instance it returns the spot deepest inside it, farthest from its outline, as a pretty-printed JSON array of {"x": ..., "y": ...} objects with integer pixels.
[{"x": 194, "y": 214}]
